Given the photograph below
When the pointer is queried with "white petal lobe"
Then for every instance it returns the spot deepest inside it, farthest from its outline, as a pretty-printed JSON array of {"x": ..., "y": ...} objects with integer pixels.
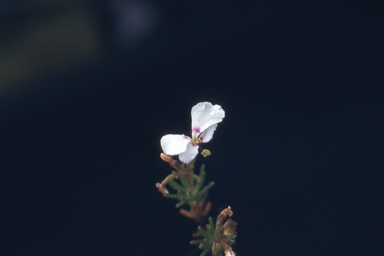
[
  {"x": 204, "y": 114},
  {"x": 208, "y": 133},
  {"x": 174, "y": 144},
  {"x": 189, "y": 154}
]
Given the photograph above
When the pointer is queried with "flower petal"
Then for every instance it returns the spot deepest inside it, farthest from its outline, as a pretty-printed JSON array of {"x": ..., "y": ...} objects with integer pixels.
[
  {"x": 208, "y": 133},
  {"x": 189, "y": 154},
  {"x": 174, "y": 144},
  {"x": 204, "y": 115}
]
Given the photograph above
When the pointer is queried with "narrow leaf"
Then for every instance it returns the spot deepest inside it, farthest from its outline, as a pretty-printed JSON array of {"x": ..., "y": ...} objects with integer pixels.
[
  {"x": 184, "y": 182},
  {"x": 181, "y": 203},
  {"x": 173, "y": 196},
  {"x": 175, "y": 185},
  {"x": 202, "y": 176},
  {"x": 205, "y": 251},
  {"x": 205, "y": 189},
  {"x": 202, "y": 231},
  {"x": 211, "y": 227},
  {"x": 197, "y": 241}
]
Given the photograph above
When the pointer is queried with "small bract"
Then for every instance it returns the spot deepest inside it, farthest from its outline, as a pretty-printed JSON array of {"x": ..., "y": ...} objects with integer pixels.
[{"x": 205, "y": 118}]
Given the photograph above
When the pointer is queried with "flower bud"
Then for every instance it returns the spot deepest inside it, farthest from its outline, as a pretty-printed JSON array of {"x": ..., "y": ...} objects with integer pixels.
[
  {"x": 165, "y": 157},
  {"x": 162, "y": 189},
  {"x": 229, "y": 253},
  {"x": 229, "y": 227}
]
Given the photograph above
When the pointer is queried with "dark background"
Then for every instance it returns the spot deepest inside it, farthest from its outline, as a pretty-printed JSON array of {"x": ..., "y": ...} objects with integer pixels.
[{"x": 87, "y": 89}]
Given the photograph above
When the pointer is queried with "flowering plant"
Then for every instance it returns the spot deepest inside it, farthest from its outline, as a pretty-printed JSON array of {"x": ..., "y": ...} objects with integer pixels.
[
  {"x": 215, "y": 237},
  {"x": 205, "y": 118}
]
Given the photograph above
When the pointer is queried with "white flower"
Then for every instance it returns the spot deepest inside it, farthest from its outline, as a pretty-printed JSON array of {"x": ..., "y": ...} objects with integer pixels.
[{"x": 205, "y": 117}]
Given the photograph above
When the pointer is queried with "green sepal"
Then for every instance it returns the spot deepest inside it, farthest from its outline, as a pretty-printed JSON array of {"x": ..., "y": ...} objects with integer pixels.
[{"x": 218, "y": 231}]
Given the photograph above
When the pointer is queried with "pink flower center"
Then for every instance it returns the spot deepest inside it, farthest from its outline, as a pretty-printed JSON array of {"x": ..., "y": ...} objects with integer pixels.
[{"x": 196, "y": 130}]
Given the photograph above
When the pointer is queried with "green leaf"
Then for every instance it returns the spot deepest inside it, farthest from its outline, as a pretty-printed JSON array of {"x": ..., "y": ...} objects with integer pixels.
[
  {"x": 197, "y": 241},
  {"x": 202, "y": 231},
  {"x": 175, "y": 185},
  {"x": 203, "y": 246},
  {"x": 192, "y": 181},
  {"x": 205, "y": 189},
  {"x": 181, "y": 203},
  {"x": 202, "y": 176},
  {"x": 184, "y": 182},
  {"x": 173, "y": 196},
  {"x": 202, "y": 168},
  {"x": 211, "y": 227},
  {"x": 205, "y": 251}
]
